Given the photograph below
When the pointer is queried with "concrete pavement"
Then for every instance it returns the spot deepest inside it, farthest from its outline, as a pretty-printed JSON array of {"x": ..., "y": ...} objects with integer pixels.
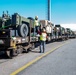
[
  {"x": 12, "y": 65},
  {"x": 60, "y": 62}
]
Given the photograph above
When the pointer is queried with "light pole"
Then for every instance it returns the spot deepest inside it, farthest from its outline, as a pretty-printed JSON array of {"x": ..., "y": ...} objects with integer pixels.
[{"x": 48, "y": 13}]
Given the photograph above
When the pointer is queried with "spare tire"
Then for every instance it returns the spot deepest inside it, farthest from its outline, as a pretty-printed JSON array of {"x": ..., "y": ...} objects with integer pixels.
[{"x": 22, "y": 30}]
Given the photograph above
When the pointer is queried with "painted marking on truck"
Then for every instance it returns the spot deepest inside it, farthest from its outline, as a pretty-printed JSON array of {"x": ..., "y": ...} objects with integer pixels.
[{"x": 35, "y": 60}]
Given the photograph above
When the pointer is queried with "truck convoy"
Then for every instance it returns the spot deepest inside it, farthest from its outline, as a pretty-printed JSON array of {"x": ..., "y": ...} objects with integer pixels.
[{"x": 16, "y": 33}]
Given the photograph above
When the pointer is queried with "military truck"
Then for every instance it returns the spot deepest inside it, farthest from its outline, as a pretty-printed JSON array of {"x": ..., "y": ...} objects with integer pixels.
[
  {"x": 49, "y": 29},
  {"x": 59, "y": 32},
  {"x": 16, "y": 34},
  {"x": 71, "y": 34}
]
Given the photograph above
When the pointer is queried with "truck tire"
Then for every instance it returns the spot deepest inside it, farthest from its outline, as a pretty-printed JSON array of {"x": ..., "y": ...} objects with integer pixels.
[{"x": 22, "y": 30}]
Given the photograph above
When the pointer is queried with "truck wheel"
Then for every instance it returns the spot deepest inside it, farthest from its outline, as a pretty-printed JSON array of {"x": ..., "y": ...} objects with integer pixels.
[
  {"x": 10, "y": 53},
  {"x": 22, "y": 30},
  {"x": 33, "y": 46}
]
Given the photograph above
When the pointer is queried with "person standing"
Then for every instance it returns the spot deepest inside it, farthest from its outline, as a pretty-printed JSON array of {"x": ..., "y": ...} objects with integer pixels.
[
  {"x": 43, "y": 37},
  {"x": 36, "y": 25}
]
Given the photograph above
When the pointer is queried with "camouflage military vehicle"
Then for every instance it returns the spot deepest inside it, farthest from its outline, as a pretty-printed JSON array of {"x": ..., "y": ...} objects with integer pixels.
[
  {"x": 71, "y": 33},
  {"x": 16, "y": 34},
  {"x": 60, "y": 32},
  {"x": 48, "y": 26}
]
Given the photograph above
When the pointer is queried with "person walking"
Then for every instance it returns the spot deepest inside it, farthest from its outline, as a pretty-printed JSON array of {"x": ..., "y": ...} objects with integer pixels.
[{"x": 43, "y": 37}]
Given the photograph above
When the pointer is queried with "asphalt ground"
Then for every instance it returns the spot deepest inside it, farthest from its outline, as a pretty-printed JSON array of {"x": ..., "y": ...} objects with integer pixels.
[
  {"x": 12, "y": 65},
  {"x": 60, "y": 62}
]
